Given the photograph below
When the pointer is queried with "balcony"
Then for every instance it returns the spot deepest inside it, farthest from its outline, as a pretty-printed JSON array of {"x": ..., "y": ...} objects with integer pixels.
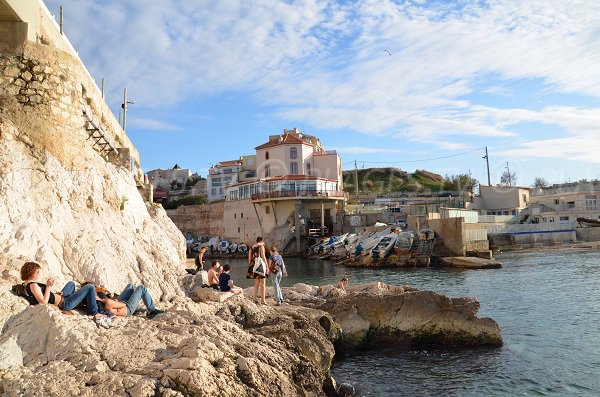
[{"x": 298, "y": 194}]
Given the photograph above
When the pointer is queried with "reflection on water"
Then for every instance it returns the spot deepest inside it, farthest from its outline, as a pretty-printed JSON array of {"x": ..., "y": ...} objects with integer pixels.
[{"x": 546, "y": 303}]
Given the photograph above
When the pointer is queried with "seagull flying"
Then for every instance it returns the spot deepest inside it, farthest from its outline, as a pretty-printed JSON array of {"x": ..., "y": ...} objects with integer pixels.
[{"x": 388, "y": 51}]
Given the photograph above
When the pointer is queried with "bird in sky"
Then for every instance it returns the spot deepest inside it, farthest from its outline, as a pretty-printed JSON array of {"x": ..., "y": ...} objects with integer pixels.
[{"x": 388, "y": 51}]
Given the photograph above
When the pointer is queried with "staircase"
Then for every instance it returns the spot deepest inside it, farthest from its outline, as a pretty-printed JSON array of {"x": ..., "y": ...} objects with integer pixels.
[{"x": 99, "y": 140}]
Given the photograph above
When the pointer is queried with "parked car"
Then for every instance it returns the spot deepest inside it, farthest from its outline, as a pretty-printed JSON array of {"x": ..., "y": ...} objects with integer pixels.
[{"x": 402, "y": 223}]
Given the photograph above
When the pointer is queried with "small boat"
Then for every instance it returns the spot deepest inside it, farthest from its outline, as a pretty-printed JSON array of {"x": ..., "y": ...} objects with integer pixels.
[
  {"x": 367, "y": 244},
  {"x": 242, "y": 248},
  {"x": 587, "y": 222},
  {"x": 384, "y": 246},
  {"x": 223, "y": 245},
  {"x": 404, "y": 242},
  {"x": 213, "y": 243},
  {"x": 233, "y": 247}
]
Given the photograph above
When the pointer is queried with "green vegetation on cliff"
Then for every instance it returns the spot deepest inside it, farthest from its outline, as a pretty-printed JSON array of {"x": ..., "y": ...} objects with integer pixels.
[{"x": 387, "y": 180}]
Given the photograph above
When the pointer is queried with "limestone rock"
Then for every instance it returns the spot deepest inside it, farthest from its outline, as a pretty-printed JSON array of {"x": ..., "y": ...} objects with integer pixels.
[
  {"x": 186, "y": 351},
  {"x": 401, "y": 315}
]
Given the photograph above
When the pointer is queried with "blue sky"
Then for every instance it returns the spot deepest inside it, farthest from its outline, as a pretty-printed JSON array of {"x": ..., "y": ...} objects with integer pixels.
[{"x": 211, "y": 80}]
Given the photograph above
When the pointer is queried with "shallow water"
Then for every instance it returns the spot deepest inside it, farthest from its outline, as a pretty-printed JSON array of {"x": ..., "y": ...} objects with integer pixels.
[{"x": 546, "y": 303}]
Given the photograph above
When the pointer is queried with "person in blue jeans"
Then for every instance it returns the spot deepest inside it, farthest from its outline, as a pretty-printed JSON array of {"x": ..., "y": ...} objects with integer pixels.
[
  {"x": 278, "y": 271},
  {"x": 129, "y": 300},
  {"x": 67, "y": 299}
]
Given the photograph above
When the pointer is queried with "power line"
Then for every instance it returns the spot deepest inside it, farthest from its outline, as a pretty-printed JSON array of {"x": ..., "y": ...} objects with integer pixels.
[{"x": 416, "y": 161}]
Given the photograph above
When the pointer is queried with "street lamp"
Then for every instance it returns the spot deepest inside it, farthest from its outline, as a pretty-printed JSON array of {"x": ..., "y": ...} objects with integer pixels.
[{"x": 124, "y": 107}]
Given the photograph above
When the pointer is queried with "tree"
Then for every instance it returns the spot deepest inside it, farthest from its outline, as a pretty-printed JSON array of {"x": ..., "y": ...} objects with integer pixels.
[
  {"x": 540, "y": 183},
  {"x": 459, "y": 183},
  {"x": 508, "y": 179}
]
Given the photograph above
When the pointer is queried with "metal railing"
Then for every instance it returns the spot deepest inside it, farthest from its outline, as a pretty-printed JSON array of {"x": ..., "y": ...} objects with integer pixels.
[{"x": 298, "y": 193}]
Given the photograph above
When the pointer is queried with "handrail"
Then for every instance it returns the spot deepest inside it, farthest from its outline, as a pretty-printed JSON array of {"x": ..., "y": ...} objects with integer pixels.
[{"x": 297, "y": 193}]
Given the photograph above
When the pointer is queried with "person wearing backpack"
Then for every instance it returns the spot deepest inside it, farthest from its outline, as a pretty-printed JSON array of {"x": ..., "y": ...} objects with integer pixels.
[
  {"x": 258, "y": 269},
  {"x": 67, "y": 299},
  {"x": 277, "y": 270}
]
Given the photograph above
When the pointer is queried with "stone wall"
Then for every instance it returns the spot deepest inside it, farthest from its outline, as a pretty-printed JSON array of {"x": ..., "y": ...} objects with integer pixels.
[{"x": 200, "y": 220}]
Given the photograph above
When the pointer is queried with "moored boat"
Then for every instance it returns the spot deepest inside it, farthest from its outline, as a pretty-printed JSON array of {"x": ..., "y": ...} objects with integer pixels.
[
  {"x": 223, "y": 245},
  {"x": 384, "y": 246},
  {"x": 233, "y": 247},
  {"x": 242, "y": 248},
  {"x": 587, "y": 222}
]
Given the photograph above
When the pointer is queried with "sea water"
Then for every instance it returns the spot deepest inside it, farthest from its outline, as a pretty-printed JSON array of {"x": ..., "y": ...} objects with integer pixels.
[{"x": 547, "y": 304}]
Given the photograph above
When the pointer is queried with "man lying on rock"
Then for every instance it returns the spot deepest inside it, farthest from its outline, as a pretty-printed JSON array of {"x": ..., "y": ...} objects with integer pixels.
[
  {"x": 67, "y": 299},
  {"x": 129, "y": 301}
]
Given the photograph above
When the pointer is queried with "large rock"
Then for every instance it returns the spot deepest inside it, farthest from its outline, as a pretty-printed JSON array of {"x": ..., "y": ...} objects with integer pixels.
[
  {"x": 375, "y": 312},
  {"x": 73, "y": 222},
  {"x": 230, "y": 349}
]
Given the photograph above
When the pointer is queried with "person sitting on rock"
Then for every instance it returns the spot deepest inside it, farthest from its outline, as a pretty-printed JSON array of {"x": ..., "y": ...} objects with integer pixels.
[
  {"x": 342, "y": 284},
  {"x": 129, "y": 300},
  {"x": 67, "y": 299},
  {"x": 213, "y": 274},
  {"x": 226, "y": 283}
]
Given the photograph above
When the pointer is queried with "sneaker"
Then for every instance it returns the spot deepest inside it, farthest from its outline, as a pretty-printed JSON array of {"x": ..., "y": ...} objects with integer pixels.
[
  {"x": 102, "y": 321},
  {"x": 154, "y": 313}
]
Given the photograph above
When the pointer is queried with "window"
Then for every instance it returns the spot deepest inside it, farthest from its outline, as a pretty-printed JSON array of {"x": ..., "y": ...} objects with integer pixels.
[
  {"x": 293, "y": 153},
  {"x": 213, "y": 191},
  {"x": 544, "y": 220},
  {"x": 268, "y": 209},
  {"x": 551, "y": 219},
  {"x": 241, "y": 215},
  {"x": 294, "y": 168},
  {"x": 590, "y": 202},
  {"x": 267, "y": 171},
  {"x": 238, "y": 229},
  {"x": 308, "y": 168},
  {"x": 524, "y": 196},
  {"x": 234, "y": 216},
  {"x": 564, "y": 219},
  {"x": 570, "y": 204},
  {"x": 266, "y": 155},
  {"x": 557, "y": 201}
]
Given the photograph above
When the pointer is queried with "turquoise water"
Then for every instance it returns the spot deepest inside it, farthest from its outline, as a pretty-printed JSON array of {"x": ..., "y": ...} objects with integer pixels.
[{"x": 546, "y": 303}]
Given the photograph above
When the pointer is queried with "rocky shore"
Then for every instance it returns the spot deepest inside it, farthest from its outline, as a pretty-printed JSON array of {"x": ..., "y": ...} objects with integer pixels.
[{"x": 212, "y": 343}]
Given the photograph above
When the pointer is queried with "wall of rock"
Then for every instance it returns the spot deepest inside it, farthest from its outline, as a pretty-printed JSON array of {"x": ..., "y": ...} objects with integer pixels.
[{"x": 61, "y": 203}]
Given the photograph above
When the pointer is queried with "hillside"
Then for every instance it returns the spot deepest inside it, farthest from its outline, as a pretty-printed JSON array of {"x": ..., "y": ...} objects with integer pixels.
[{"x": 386, "y": 180}]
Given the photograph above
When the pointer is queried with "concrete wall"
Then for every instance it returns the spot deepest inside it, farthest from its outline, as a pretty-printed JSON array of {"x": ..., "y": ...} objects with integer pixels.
[
  {"x": 588, "y": 233},
  {"x": 501, "y": 197},
  {"x": 451, "y": 231}
]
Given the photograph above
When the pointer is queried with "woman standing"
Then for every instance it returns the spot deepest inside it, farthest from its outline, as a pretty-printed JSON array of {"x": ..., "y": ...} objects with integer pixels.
[
  {"x": 278, "y": 271},
  {"x": 260, "y": 271},
  {"x": 67, "y": 299}
]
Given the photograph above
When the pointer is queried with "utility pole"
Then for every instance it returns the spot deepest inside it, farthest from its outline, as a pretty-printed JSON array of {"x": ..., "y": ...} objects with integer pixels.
[
  {"x": 356, "y": 181},
  {"x": 124, "y": 106},
  {"x": 61, "y": 20},
  {"x": 487, "y": 161},
  {"x": 102, "y": 87},
  {"x": 508, "y": 170}
]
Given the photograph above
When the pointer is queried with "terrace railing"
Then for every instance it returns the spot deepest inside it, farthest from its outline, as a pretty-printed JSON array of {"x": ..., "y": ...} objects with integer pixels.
[{"x": 298, "y": 194}]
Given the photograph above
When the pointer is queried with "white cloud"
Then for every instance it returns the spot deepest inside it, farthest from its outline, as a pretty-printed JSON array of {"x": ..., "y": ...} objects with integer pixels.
[
  {"x": 322, "y": 63},
  {"x": 150, "y": 124}
]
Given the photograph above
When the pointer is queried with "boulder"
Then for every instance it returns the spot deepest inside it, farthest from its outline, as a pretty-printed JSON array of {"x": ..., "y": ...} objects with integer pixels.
[
  {"x": 229, "y": 349},
  {"x": 405, "y": 315}
]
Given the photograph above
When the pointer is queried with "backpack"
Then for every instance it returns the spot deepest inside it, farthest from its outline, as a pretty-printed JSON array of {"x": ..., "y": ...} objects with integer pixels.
[
  {"x": 19, "y": 290},
  {"x": 273, "y": 266}
]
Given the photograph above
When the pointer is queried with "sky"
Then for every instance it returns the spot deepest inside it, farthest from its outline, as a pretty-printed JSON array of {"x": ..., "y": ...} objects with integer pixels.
[{"x": 407, "y": 84}]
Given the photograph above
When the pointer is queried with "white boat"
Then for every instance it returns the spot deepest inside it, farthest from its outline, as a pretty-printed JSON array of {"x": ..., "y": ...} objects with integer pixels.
[
  {"x": 338, "y": 241},
  {"x": 367, "y": 244},
  {"x": 213, "y": 243},
  {"x": 384, "y": 246},
  {"x": 242, "y": 248},
  {"x": 233, "y": 247},
  {"x": 223, "y": 245},
  {"x": 404, "y": 242}
]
